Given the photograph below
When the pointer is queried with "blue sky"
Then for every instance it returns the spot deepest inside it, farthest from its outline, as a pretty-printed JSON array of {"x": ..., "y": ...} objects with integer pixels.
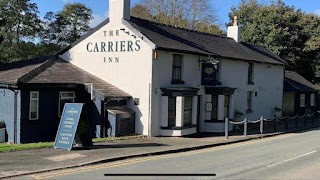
[{"x": 222, "y": 7}]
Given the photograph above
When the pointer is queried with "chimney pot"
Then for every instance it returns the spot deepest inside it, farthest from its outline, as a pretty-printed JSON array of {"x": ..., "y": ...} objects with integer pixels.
[{"x": 235, "y": 21}]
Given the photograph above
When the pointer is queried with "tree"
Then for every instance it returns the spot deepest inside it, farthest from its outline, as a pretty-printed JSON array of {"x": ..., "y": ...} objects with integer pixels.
[
  {"x": 21, "y": 23},
  {"x": 190, "y": 14},
  {"x": 287, "y": 31},
  {"x": 64, "y": 27}
]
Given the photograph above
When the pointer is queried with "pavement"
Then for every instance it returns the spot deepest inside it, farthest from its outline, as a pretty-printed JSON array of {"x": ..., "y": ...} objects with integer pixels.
[{"x": 18, "y": 163}]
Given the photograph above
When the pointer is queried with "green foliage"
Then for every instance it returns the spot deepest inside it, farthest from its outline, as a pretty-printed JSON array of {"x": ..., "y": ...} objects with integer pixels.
[
  {"x": 191, "y": 14},
  {"x": 64, "y": 27},
  {"x": 287, "y": 31}
]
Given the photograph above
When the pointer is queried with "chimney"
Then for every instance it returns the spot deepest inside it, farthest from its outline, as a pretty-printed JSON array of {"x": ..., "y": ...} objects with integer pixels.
[
  {"x": 234, "y": 31},
  {"x": 119, "y": 9}
]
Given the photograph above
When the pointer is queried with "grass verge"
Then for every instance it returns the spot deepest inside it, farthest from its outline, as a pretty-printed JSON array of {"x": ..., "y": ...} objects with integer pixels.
[{"x": 4, "y": 147}]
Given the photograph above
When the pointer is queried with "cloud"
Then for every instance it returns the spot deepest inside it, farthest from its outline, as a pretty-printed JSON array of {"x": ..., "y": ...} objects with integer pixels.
[
  {"x": 317, "y": 12},
  {"x": 66, "y": 1},
  {"x": 98, "y": 18}
]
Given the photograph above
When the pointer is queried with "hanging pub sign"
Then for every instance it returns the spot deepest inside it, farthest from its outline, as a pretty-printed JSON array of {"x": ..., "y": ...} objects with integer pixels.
[
  {"x": 68, "y": 126},
  {"x": 209, "y": 74}
]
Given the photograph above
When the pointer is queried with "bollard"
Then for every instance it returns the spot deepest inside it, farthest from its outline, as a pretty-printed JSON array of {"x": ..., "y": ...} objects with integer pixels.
[
  {"x": 296, "y": 121},
  {"x": 312, "y": 120},
  {"x": 245, "y": 127},
  {"x": 275, "y": 123},
  {"x": 226, "y": 128},
  {"x": 261, "y": 125},
  {"x": 287, "y": 126}
]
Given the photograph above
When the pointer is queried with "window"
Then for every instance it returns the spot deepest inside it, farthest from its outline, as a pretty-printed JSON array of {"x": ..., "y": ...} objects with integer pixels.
[
  {"x": 177, "y": 68},
  {"x": 249, "y": 101},
  {"x": 302, "y": 100},
  {"x": 214, "y": 112},
  {"x": 65, "y": 97},
  {"x": 226, "y": 106},
  {"x": 187, "y": 111},
  {"x": 312, "y": 100},
  {"x": 34, "y": 105},
  {"x": 250, "y": 73},
  {"x": 172, "y": 111}
]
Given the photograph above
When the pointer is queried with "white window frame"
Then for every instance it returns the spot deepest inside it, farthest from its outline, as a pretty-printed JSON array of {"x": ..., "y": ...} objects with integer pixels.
[
  {"x": 304, "y": 103},
  {"x": 65, "y": 98},
  {"x": 34, "y": 99},
  {"x": 312, "y": 99}
]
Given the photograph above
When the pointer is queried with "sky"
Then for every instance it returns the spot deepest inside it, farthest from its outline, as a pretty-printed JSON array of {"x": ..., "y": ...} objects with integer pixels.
[{"x": 221, "y": 7}]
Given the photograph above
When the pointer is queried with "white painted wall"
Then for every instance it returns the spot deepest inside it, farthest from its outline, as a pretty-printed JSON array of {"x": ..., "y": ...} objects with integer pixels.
[
  {"x": 268, "y": 83},
  {"x": 131, "y": 74}
]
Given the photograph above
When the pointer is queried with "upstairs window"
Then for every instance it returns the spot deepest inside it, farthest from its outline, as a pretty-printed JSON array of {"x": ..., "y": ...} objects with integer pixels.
[
  {"x": 250, "y": 73},
  {"x": 34, "y": 105},
  {"x": 65, "y": 97},
  {"x": 177, "y": 69}
]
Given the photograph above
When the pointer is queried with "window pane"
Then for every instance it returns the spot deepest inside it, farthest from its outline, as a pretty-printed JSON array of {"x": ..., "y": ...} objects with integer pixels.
[
  {"x": 312, "y": 99},
  {"x": 177, "y": 60},
  {"x": 187, "y": 111},
  {"x": 249, "y": 100},
  {"x": 302, "y": 100},
  {"x": 250, "y": 71},
  {"x": 33, "y": 107},
  {"x": 214, "y": 112},
  {"x": 62, "y": 103},
  {"x": 34, "y": 95},
  {"x": 226, "y": 106},
  {"x": 176, "y": 74},
  {"x": 172, "y": 112},
  {"x": 67, "y": 95}
]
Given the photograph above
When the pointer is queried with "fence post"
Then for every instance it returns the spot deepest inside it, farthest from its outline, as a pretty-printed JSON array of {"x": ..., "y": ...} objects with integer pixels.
[
  {"x": 245, "y": 127},
  {"x": 261, "y": 125},
  {"x": 226, "y": 128},
  {"x": 275, "y": 123},
  {"x": 287, "y": 126},
  {"x": 296, "y": 121}
]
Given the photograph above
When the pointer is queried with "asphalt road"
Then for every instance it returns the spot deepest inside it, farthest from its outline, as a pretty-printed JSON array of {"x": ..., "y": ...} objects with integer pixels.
[{"x": 290, "y": 156}]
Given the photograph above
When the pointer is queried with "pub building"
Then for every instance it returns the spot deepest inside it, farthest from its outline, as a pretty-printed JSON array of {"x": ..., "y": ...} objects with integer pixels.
[{"x": 142, "y": 77}]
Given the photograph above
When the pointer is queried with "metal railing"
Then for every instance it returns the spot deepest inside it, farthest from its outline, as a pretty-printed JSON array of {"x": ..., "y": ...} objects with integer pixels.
[{"x": 282, "y": 120}]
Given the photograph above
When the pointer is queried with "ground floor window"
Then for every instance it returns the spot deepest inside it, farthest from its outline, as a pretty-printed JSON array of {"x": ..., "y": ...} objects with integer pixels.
[
  {"x": 226, "y": 106},
  {"x": 34, "y": 105},
  {"x": 302, "y": 100},
  {"x": 187, "y": 111},
  {"x": 312, "y": 99},
  {"x": 172, "y": 111},
  {"x": 214, "y": 112},
  {"x": 249, "y": 101},
  {"x": 65, "y": 97}
]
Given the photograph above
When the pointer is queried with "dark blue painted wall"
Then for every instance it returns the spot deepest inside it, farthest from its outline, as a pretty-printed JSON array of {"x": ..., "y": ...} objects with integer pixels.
[
  {"x": 45, "y": 128},
  {"x": 301, "y": 110}
]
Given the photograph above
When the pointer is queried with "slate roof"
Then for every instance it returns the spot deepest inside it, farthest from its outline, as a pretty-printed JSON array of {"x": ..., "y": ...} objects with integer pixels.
[
  {"x": 183, "y": 40},
  {"x": 52, "y": 70},
  {"x": 298, "y": 82}
]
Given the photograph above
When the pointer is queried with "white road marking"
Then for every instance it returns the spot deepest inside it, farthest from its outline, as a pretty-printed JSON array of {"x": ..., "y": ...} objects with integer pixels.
[{"x": 306, "y": 154}]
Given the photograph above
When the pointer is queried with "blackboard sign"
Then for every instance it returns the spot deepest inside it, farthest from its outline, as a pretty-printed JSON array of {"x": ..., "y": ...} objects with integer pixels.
[{"x": 68, "y": 126}]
